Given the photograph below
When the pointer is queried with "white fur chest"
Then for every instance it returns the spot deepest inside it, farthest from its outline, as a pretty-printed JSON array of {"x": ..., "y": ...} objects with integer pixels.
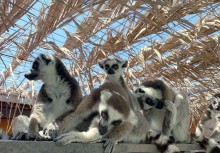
[{"x": 59, "y": 93}]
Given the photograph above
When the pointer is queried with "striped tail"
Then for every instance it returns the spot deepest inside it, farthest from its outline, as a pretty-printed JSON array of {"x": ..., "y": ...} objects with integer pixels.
[
  {"x": 166, "y": 144},
  {"x": 210, "y": 145}
]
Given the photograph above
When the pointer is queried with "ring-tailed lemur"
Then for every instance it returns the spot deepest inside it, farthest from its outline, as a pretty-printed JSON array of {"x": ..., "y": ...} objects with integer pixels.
[
  {"x": 208, "y": 128},
  {"x": 114, "y": 121},
  {"x": 114, "y": 69},
  {"x": 166, "y": 110},
  {"x": 209, "y": 125},
  {"x": 59, "y": 94}
]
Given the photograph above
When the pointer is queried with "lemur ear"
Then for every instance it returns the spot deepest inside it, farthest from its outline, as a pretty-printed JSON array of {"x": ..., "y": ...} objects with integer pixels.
[
  {"x": 101, "y": 64},
  {"x": 45, "y": 58},
  {"x": 125, "y": 64}
]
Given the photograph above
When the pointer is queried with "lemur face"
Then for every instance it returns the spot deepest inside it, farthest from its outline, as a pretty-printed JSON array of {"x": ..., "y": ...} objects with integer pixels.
[
  {"x": 109, "y": 116},
  {"x": 215, "y": 103},
  {"x": 42, "y": 66},
  {"x": 113, "y": 67},
  {"x": 149, "y": 98}
]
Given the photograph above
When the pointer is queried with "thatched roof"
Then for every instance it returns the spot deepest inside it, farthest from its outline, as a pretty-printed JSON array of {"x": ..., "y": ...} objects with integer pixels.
[{"x": 176, "y": 40}]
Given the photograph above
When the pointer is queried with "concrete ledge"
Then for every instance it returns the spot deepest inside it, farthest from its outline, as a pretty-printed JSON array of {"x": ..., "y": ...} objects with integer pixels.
[{"x": 50, "y": 147}]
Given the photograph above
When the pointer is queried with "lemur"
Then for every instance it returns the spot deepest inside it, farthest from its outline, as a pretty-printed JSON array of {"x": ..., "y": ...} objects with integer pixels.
[
  {"x": 113, "y": 119},
  {"x": 59, "y": 94},
  {"x": 209, "y": 125},
  {"x": 114, "y": 69},
  {"x": 169, "y": 113},
  {"x": 208, "y": 128},
  {"x": 166, "y": 110}
]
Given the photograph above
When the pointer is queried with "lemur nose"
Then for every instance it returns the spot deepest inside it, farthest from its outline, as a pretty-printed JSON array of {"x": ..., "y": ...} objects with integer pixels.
[
  {"x": 110, "y": 71},
  {"x": 159, "y": 104},
  {"x": 102, "y": 129},
  {"x": 149, "y": 101}
]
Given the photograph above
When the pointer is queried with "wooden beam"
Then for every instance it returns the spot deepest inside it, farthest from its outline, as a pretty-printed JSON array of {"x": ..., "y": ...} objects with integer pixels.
[{"x": 44, "y": 147}]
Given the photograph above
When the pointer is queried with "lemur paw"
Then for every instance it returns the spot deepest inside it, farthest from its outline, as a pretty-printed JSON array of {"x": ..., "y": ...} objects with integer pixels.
[
  {"x": 109, "y": 145},
  {"x": 20, "y": 136},
  {"x": 44, "y": 137},
  {"x": 50, "y": 133},
  {"x": 152, "y": 136},
  {"x": 63, "y": 139},
  {"x": 35, "y": 137}
]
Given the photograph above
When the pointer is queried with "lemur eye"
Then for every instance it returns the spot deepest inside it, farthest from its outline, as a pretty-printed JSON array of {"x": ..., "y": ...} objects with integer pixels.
[
  {"x": 68, "y": 101},
  {"x": 104, "y": 115},
  {"x": 49, "y": 99},
  {"x": 107, "y": 66},
  {"x": 149, "y": 101},
  {"x": 116, "y": 123},
  {"x": 139, "y": 90},
  {"x": 214, "y": 102},
  {"x": 115, "y": 66}
]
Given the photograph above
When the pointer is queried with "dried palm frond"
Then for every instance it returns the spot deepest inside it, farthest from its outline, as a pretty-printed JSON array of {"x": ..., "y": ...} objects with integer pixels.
[
  {"x": 12, "y": 11},
  {"x": 45, "y": 25}
]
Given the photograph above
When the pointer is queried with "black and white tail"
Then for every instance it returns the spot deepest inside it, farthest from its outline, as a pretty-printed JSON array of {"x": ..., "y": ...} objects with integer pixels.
[
  {"x": 166, "y": 144},
  {"x": 210, "y": 145}
]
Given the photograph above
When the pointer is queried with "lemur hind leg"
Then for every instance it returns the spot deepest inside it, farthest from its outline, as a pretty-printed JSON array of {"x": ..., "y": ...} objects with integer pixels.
[
  {"x": 117, "y": 134},
  {"x": 182, "y": 120},
  {"x": 169, "y": 119},
  {"x": 180, "y": 132},
  {"x": 74, "y": 136}
]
